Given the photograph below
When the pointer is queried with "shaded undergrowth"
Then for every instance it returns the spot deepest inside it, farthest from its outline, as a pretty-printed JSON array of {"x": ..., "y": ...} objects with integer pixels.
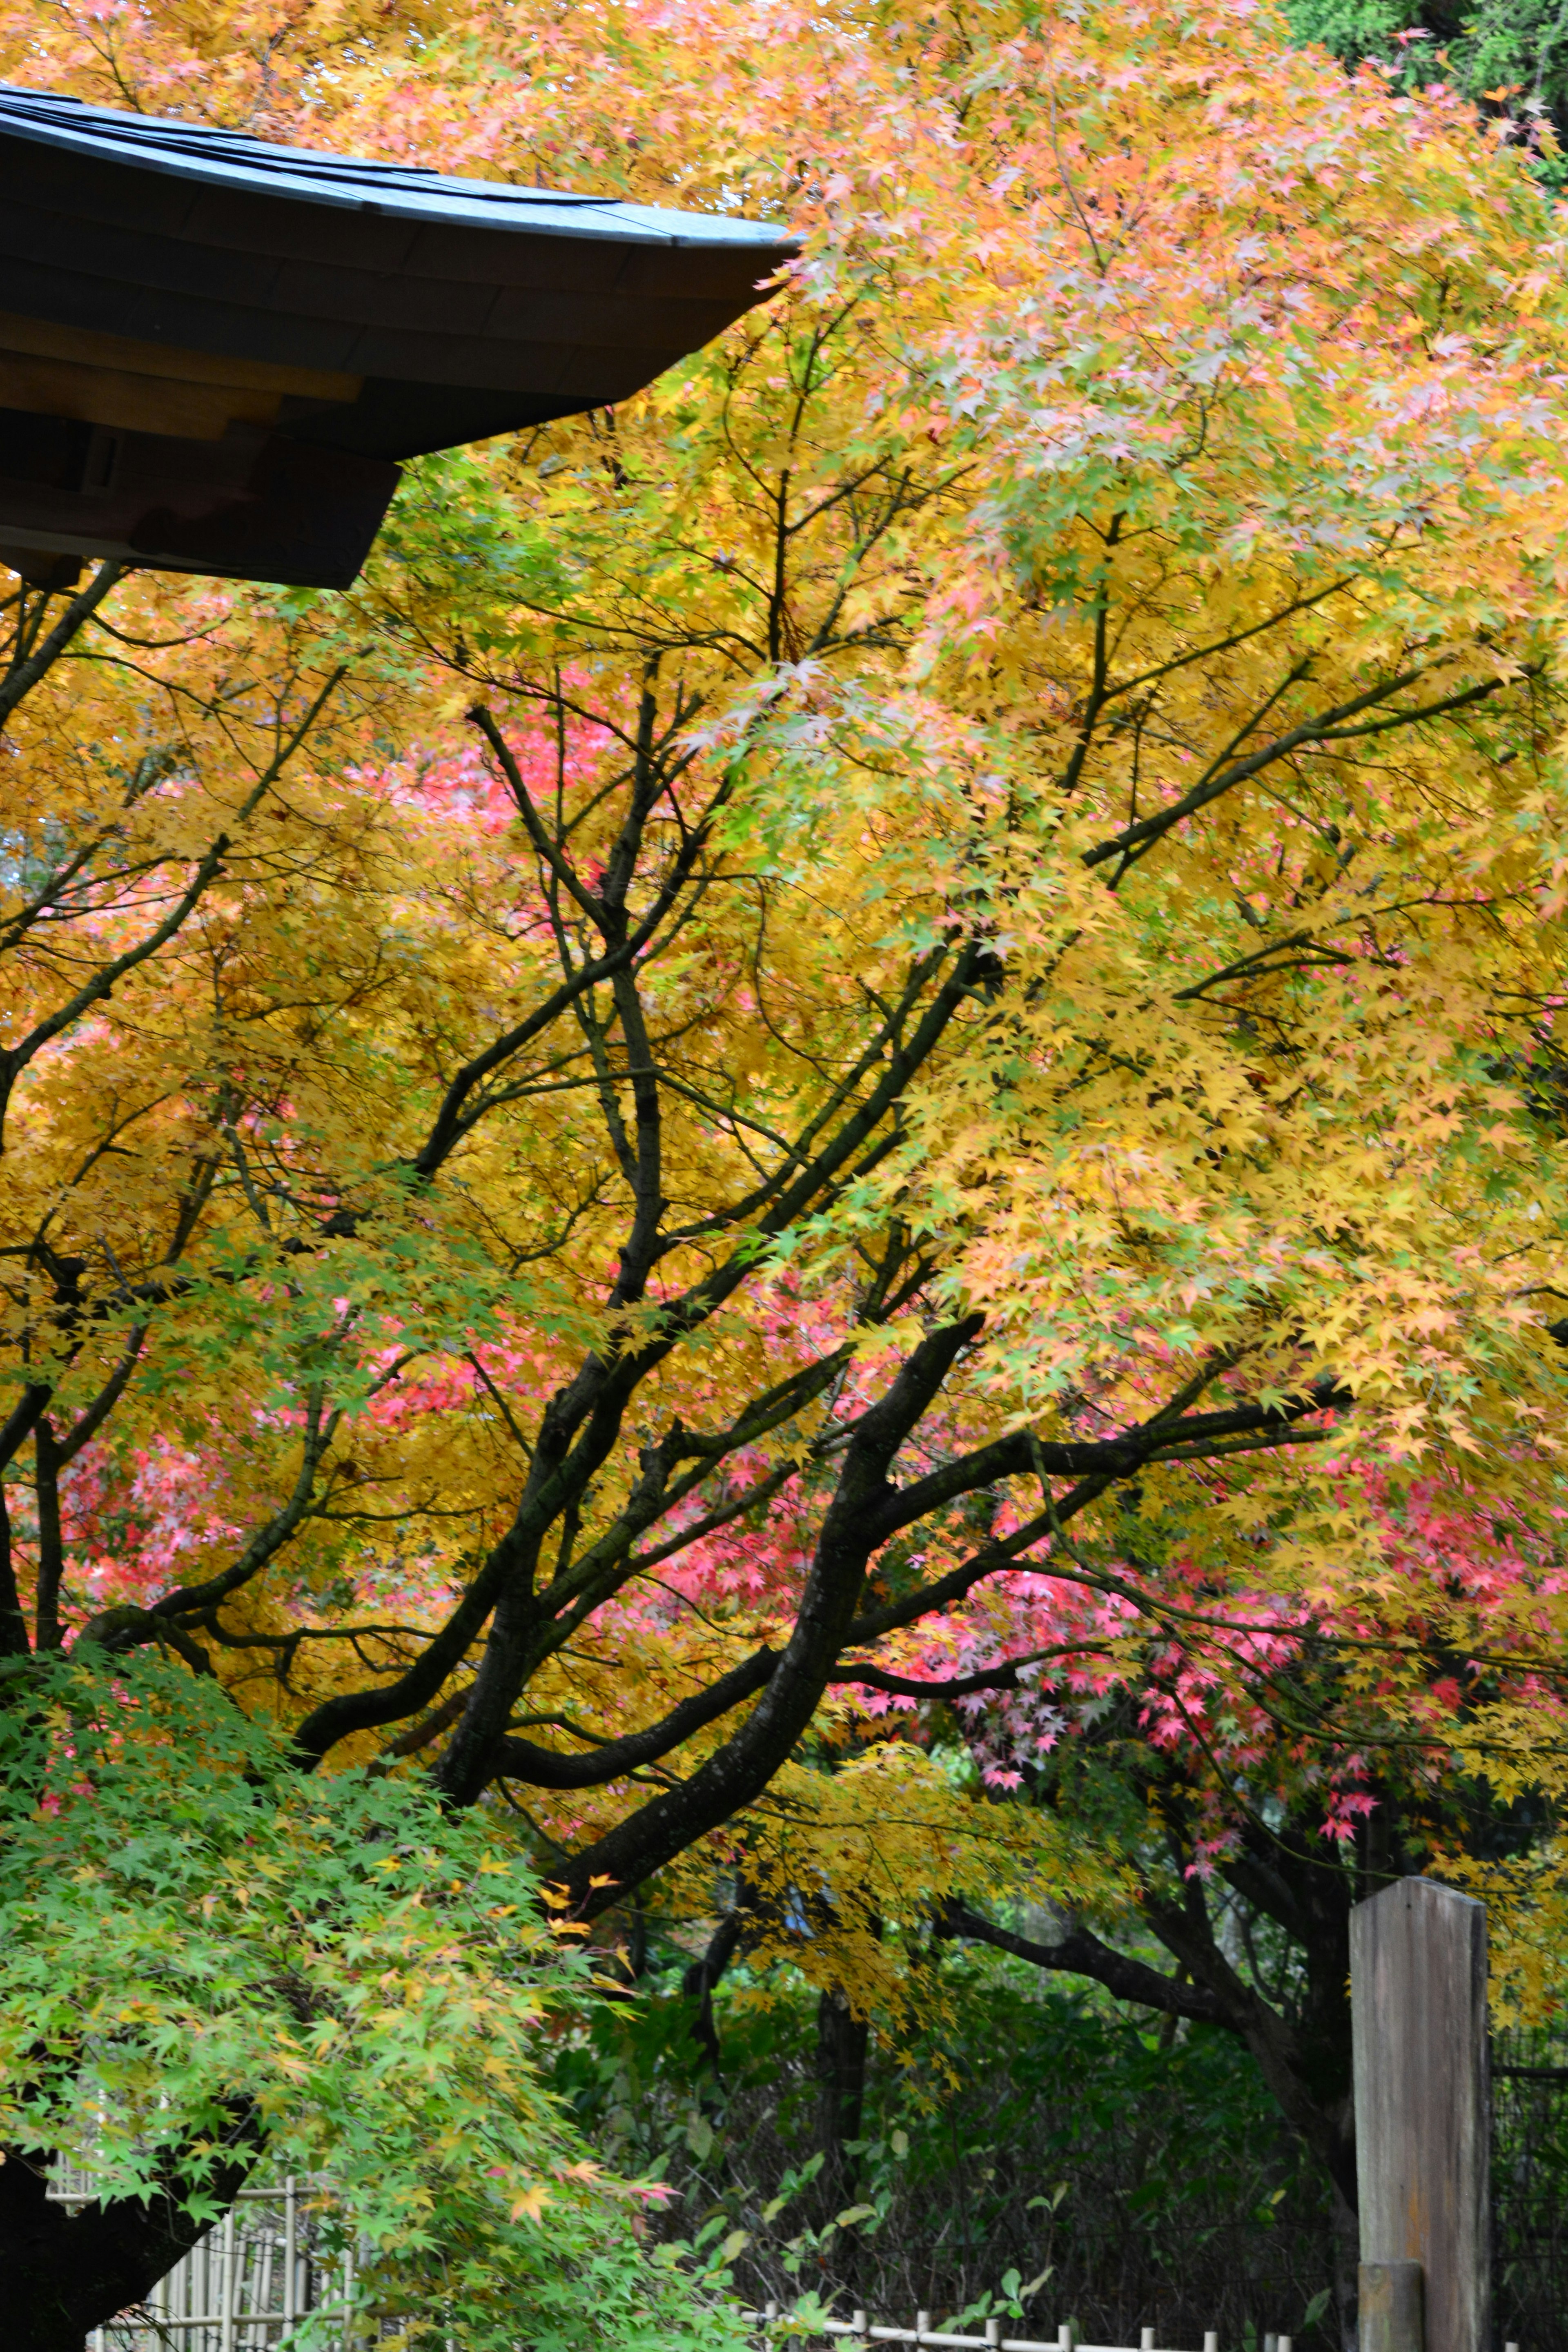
[{"x": 1040, "y": 2152}]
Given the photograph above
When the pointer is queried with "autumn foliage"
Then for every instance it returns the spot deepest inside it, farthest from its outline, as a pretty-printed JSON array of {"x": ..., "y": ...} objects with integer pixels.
[{"x": 826, "y": 1153}]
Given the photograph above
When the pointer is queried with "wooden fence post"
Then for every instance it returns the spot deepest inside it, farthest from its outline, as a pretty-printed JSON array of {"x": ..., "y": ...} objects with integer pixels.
[{"x": 1423, "y": 2118}]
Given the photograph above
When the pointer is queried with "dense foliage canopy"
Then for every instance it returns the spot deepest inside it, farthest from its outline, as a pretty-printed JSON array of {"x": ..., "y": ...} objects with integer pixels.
[
  {"x": 203, "y": 1952},
  {"x": 825, "y": 1159}
]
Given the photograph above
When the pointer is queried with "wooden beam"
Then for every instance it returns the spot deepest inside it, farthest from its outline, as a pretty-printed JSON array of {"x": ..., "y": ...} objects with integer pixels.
[
  {"x": 132, "y": 404},
  {"x": 46, "y": 339},
  {"x": 47, "y": 370},
  {"x": 1423, "y": 2113}
]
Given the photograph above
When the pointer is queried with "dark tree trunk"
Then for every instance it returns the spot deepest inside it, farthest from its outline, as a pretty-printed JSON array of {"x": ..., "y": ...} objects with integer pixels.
[
  {"x": 65, "y": 2273},
  {"x": 701, "y": 1978},
  {"x": 843, "y": 2044}
]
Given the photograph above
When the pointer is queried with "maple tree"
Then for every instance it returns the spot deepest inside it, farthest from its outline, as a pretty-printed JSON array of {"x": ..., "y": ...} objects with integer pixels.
[
  {"x": 335, "y": 1968},
  {"x": 873, "y": 1037}
]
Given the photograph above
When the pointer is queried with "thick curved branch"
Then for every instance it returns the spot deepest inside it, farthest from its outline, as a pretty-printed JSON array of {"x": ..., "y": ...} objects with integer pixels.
[
  {"x": 1005, "y": 1676},
  {"x": 1080, "y": 1953},
  {"x": 738, "y": 1771},
  {"x": 1184, "y": 1436},
  {"x": 367, "y": 1710},
  {"x": 546, "y": 1768}
]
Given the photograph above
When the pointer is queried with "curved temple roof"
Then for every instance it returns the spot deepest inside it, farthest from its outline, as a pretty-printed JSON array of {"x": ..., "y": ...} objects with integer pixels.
[{"x": 215, "y": 351}]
